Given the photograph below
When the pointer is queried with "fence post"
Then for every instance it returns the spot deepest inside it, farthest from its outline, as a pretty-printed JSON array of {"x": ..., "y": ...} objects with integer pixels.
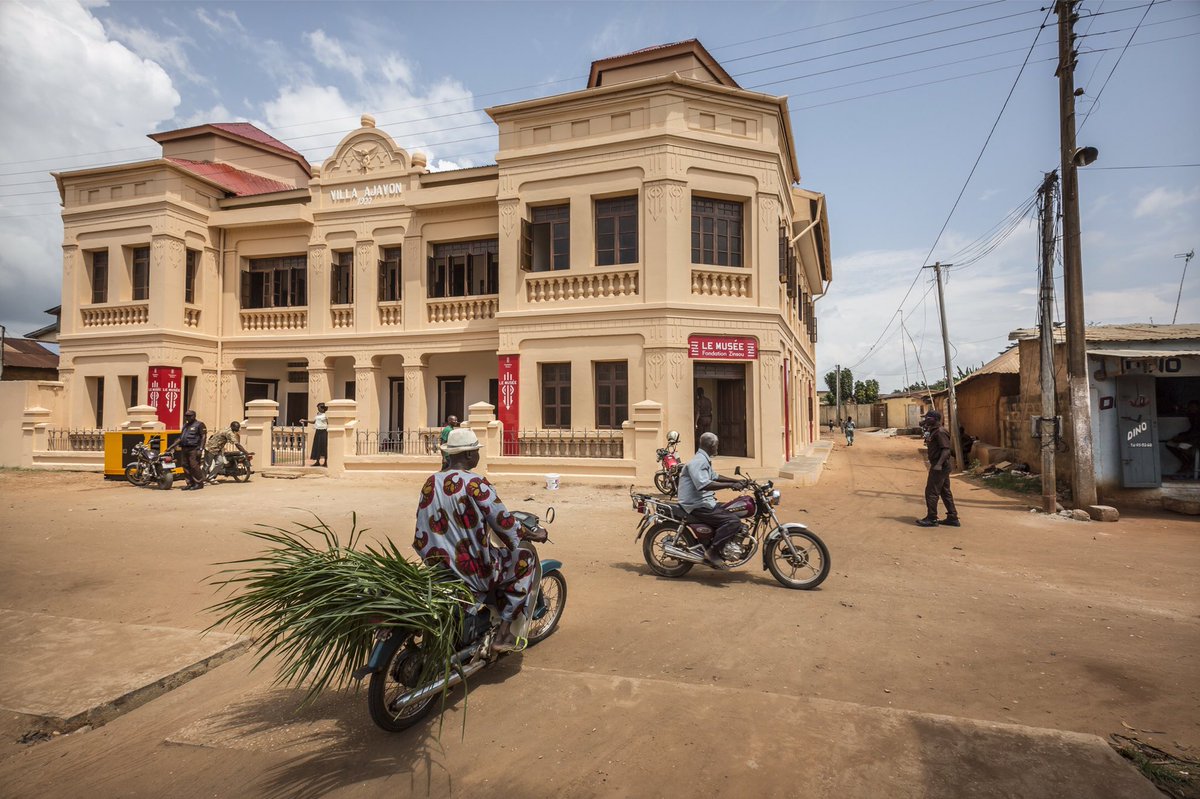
[
  {"x": 648, "y": 437},
  {"x": 343, "y": 428},
  {"x": 143, "y": 417},
  {"x": 260, "y": 420},
  {"x": 481, "y": 419},
  {"x": 35, "y": 427}
]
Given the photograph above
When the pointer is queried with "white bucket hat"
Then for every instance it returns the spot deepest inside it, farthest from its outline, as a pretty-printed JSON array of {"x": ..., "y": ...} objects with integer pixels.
[{"x": 460, "y": 440}]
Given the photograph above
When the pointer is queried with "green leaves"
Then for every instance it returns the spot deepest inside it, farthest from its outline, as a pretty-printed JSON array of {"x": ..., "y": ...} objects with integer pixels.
[{"x": 314, "y": 602}]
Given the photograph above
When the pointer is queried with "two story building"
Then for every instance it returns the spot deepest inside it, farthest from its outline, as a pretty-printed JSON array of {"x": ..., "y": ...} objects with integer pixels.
[{"x": 644, "y": 238}]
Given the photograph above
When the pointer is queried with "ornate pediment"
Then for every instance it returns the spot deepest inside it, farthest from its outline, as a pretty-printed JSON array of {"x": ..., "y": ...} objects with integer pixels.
[{"x": 367, "y": 152}]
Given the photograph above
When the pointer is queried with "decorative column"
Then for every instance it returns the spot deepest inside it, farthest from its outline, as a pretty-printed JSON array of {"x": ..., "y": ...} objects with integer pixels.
[
  {"x": 318, "y": 288},
  {"x": 648, "y": 435},
  {"x": 366, "y": 286},
  {"x": 75, "y": 291},
  {"x": 666, "y": 250},
  {"x": 761, "y": 243},
  {"x": 668, "y": 383},
  {"x": 231, "y": 392},
  {"x": 320, "y": 379},
  {"x": 416, "y": 406},
  {"x": 366, "y": 394},
  {"x": 343, "y": 426},
  {"x": 166, "y": 282},
  {"x": 260, "y": 421},
  {"x": 204, "y": 399},
  {"x": 512, "y": 279}
]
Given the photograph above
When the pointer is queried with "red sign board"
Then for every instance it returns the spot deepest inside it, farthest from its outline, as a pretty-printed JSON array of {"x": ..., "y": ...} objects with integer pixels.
[
  {"x": 723, "y": 348},
  {"x": 164, "y": 391},
  {"x": 509, "y": 412}
]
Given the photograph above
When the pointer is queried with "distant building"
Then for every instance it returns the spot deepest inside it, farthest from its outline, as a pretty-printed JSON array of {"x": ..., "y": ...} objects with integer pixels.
[
  {"x": 24, "y": 359},
  {"x": 49, "y": 332}
]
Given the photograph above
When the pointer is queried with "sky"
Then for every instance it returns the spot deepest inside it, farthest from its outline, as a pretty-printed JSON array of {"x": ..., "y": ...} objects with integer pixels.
[{"x": 928, "y": 126}]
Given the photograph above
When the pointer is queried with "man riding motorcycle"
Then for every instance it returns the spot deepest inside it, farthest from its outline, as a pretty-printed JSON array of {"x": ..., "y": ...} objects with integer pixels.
[
  {"x": 458, "y": 515},
  {"x": 697, "y": 482},
  {"x": 214, "y": 450}
]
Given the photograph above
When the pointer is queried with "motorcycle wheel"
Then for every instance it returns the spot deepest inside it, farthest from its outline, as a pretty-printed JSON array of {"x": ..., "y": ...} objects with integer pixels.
[
  {"x": 136, "y": 475},
  {"x": 400, "y": 674},
  {"x": 664, "y": 484},
  {"x": 241, "y": 472},
  {"x": 166, "y": 480},
  {"x": 803, "y": 571},
  {"x": 659, "y": 562},
  {"x": 552, "y": 595}
]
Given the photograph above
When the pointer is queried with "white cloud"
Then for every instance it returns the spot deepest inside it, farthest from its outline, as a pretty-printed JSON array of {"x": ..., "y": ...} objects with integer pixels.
[
  {"x": 221, "y": 21},
  {"x": 62, "y": 91},
  {"x": 168, "y": 51},
  {"x": 202, "y": 116},
  {"x": 1163, "y": 200},
  {"x": 332, "y": 54}
]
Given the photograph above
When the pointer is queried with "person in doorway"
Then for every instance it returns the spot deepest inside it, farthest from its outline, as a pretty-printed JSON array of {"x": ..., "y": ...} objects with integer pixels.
[
  {"x": 444, "y": 436},
  {"x": 190, "y": 445},
  {"x": 697, "y": 482},
  {"x": 1184, "y": 445},
  {"x": 214, "y": 450},
  {"x": 849, "y": 432},
  {"x": 704, "y": 413},
  {"x": 458, "y": 515},
  {"x": 938, "y": 483},
  {"x": 320, "y": 445}
]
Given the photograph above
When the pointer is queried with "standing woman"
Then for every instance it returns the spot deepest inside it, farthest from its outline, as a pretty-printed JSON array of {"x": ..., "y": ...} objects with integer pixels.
[{"x": 320, "y": 447}]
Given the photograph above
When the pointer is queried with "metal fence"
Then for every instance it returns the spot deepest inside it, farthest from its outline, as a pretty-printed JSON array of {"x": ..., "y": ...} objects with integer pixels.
[
  {"x": 571, "y": 443},
  {"x": 287, "y": 446},
  {"x": 71, "y": 440},
  {"x": 396, "y": 442}
]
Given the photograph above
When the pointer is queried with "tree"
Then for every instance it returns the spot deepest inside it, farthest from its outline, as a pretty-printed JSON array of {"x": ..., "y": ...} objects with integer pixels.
[
  {"x": 866, "y": 392},
  {"x": 847, "y": 381}
]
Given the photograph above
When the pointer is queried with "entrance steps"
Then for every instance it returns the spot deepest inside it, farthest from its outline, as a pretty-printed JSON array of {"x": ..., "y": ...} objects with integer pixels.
[{"x": 805, "y": 469}]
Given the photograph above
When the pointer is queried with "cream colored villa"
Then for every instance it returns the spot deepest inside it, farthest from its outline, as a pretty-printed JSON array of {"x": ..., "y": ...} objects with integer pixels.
[{"x": 641, "y": 242}]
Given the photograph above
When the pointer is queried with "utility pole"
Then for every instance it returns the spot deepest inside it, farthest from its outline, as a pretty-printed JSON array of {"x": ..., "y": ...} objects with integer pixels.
[
  {"x": 1083, "y": 474},
  {"x": 1187, "y": 257},
  {"x": 1047, "y": 424},
  {"x": 952, "y": 400},
  {"x": 837, "y": 390}
]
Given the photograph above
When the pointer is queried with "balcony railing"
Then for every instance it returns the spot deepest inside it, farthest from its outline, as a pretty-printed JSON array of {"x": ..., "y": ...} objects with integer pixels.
[
  {"x": 81, "y": 440},
  {"x": 119, "y": 314},
  {"x": 397, "y": 442},
  {"x": 720, "y": 283},
  {"x": 463, "y": 309},
  {"x": 341, "y": 316},
  {"x": 191, "y": 317},
  {"x": 274, "y": 318},
  {"x": 391, "y": 313},
  {"x": 571, "y": 443},
  {"x": 552, "y": 286}
]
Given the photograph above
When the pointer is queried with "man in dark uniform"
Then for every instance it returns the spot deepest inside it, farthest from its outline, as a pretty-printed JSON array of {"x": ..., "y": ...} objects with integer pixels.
[
  {"x": 938, "y": 484},
  {"x": 191, "y": 446}
]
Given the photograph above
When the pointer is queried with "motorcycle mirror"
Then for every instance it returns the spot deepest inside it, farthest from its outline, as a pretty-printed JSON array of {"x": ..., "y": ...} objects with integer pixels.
[
  {"x": 737, "y": 470},
  {"x": 550, "y": 515}
]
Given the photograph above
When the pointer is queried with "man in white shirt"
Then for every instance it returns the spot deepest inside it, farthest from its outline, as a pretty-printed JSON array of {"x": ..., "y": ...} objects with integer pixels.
[{"x": 697, "y": 482}]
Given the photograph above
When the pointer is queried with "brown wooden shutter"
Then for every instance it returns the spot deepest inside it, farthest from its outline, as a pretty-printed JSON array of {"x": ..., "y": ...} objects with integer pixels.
[
  {"x": 246, "y": 289},
  {"x": 526, "y": 257}
]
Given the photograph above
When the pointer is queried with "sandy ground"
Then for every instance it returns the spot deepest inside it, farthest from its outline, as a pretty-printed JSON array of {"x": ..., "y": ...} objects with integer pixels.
[{"x": 1014, "y": 617}]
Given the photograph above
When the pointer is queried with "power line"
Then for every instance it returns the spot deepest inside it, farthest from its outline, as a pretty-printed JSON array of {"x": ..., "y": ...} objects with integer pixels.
[{"x": 1120, "y": 55}]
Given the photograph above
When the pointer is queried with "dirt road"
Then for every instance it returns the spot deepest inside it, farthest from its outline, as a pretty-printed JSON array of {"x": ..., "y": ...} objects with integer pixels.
[{"x": 1012, "y": 618}]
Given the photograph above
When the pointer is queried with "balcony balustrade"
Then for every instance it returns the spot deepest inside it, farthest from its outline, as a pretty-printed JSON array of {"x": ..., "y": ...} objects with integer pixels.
[
  {"x": 721, "y": 283},
  {"x": 272, "y": 319},
  {"x": 391, "y": 313},
  {"x": 341, "y": 317},
  {"x": 551, "y": 286},
  {"x": 191, "y": 317},
  {"x": 463, "y": 309},
  {"x": 118, "y": 314}
]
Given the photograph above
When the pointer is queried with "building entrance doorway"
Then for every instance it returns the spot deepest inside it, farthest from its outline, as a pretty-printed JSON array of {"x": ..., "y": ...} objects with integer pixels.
[
  {"x": 721, "y": 389},
  {"x": 396, "y": 404},
  {"x": 451, "y": 392},
  {"x": 297, "y": 408}
]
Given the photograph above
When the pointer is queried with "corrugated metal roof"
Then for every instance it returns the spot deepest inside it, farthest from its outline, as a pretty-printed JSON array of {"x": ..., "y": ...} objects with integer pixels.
[
  {"x": 248, "y": 131},
  {"x": 1118, "y": 333},
  {"x": 21, "y": 352},
  {"x": 234, "y": 180},
  {"x": 1125, "y": 352}
]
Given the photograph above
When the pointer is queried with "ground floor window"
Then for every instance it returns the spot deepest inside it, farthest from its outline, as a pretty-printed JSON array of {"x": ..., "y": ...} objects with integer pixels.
[
  {"x": 556, "y": 395},
  {"x": 96, "y": 394},
  {"x": 612, "y": 394}
]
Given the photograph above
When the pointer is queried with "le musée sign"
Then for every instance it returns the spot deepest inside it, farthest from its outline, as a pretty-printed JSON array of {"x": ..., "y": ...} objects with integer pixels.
[{"x": 723, "y": 348}]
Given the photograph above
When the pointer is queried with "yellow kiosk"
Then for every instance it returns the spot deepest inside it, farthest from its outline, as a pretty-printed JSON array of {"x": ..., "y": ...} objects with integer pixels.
[{"x": 119, "y": 444}]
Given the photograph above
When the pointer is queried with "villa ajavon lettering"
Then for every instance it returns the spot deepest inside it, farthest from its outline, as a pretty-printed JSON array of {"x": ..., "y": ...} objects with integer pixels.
[{"x": 365, "y": 195}]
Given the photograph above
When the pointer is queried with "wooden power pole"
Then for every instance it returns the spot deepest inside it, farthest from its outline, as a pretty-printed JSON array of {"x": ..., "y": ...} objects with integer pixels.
[
  {"x": 1083, "y": 474},
  {"x": 951, "y": 399},
  {"x": 1048, "y": 426}
]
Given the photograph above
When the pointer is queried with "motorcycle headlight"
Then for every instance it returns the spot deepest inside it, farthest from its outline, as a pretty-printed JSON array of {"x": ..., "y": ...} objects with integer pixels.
[{"x": 775, "y": 498}]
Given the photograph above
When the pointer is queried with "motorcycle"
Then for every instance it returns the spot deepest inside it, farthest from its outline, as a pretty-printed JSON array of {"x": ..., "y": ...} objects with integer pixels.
[
  {"x": 151, "y": 466},
  {"x": 673, "y": 541},
  {"x": 400, "y": 693},
  {"x": 236, "y": 466},
  {"x": 666, "y": 479}
]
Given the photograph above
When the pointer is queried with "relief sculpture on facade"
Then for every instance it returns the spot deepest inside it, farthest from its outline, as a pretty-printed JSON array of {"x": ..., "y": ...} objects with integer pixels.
[{"x": 656, "y": 367}]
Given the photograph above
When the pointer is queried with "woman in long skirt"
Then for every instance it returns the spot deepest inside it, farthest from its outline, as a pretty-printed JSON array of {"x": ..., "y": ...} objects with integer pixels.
[{"x": 320, "y": 446}]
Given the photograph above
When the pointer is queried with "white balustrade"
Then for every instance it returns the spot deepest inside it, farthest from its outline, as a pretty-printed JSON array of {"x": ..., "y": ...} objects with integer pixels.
[
  {"x": 721, "y": 283},
  {"x": 463, "y": 309},
  {"x": 551, "y": 286},
  {"x": 341, "y": 316},
  {"x": 119, "y": 314},
  {"x": 191, "y": 317},
  {"x": 266, "y": 319},
  {"x": 391, "y": 313}
]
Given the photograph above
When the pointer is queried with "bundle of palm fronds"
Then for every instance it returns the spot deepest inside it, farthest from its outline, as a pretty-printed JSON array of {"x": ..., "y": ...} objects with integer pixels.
[{"x": 316, "y": 606}]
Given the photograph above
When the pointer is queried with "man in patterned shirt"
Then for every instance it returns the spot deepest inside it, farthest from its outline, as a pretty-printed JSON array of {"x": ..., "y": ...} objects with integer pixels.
[{"x": 459, "y": 517}]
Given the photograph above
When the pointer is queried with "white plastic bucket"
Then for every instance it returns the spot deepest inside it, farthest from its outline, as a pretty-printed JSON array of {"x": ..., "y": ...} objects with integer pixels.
[{"x": 552, "y": 482}]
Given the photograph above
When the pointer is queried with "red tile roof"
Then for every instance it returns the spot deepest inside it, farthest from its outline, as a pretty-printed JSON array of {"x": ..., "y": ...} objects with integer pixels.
[
  {"x": 21, "y": 352},
  {"x": 231, "y": 178},
  {"x": 248, "y": 131}
]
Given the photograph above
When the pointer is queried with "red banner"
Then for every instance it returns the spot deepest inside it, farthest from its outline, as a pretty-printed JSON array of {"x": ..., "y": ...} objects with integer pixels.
[
  {"x": 509, "y": 412},
  {"x": 723, "y": 348},
  {"x": 164, "y": 391}
]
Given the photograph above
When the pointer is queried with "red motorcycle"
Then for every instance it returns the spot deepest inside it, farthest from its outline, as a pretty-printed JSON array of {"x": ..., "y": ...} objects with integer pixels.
[{"x": 666, "y": 479}]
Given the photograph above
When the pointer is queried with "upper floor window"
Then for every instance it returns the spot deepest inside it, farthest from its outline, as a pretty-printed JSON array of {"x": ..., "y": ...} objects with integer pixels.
[
  {"x": 275, "y": 282},
  {"x": 341, "y": 289},
  {"x": 716, "y": 232},
  {"x": 617, "y": 231},
  {"x": 550, "y": 238},
  {"x": 191, "y": 266},
  {"x": 556, "y": 395},
  {"x": 612, "y": 394},
  {"x": 464, "y": 268},
  {"x": 389, "y": 275},
  {"x": 99, "y": 276},
  {"x": 141, "y": 273}
]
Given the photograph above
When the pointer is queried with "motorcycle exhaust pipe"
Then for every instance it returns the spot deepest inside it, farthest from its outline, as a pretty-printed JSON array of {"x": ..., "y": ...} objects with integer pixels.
[
  {"x": 682, "y": 554},
  {"x": 446, "y": 683}
]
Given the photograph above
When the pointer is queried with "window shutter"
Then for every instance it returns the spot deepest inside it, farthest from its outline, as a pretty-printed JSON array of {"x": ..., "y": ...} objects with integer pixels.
[
  {"x": 526, "y": 258},
  {"x": 783, "y": 248},
  {"x": 246, "y": 290},
  {"x": 430, "y": 278},
  {"x": 382, "y": 279}
]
